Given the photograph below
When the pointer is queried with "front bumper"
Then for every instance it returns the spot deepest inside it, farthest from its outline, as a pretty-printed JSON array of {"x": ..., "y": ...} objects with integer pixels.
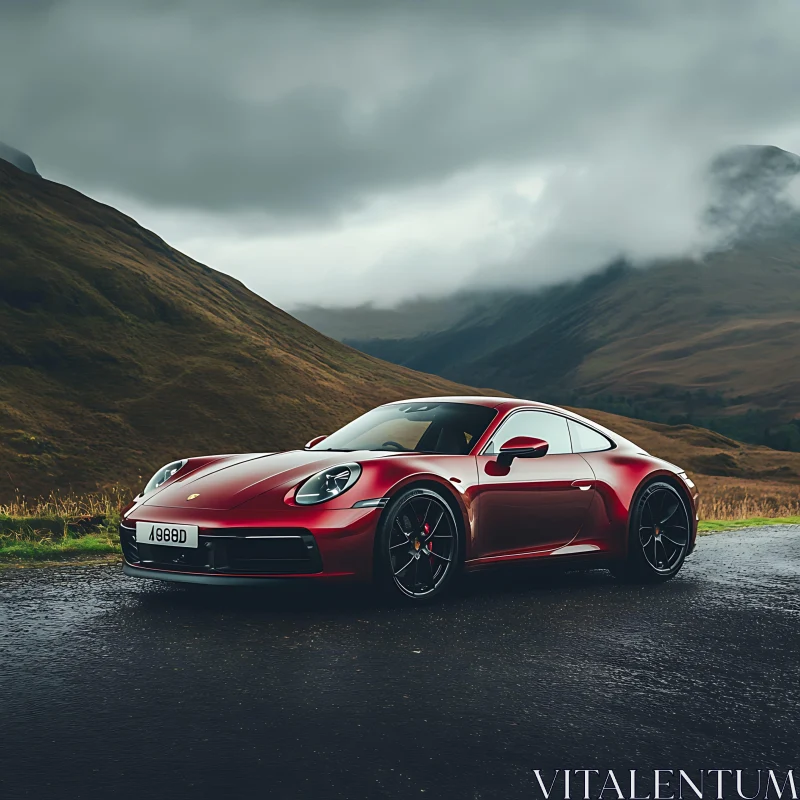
[{"x": 337, "y": 545}]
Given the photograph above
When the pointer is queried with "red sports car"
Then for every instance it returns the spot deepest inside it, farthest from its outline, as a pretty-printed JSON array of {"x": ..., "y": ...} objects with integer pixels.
[{"x": 411, "y": 494}]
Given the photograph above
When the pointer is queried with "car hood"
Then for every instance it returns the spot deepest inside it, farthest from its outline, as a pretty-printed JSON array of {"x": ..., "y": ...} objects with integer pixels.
[{"x": 227, "y": 483}]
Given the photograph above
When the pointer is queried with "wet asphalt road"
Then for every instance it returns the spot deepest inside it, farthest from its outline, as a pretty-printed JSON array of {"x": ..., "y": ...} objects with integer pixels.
[{"x": 114, "y": 687}]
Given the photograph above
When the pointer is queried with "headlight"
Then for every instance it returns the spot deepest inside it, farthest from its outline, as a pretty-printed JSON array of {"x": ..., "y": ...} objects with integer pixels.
[
  {"x": 163, "y": 475},
  {"x": 327, "y": 484},
  {"x": 686, "y": 479}
]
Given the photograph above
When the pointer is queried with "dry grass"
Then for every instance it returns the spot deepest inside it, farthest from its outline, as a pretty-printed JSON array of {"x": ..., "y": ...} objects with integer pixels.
[
  {"x": 727, "y": 499},
  {"x": 747, "y": 507},
  {"x": 68, "y": 506}
]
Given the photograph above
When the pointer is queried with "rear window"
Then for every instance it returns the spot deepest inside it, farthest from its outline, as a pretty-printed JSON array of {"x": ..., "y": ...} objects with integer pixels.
[{"x": 586, "y": 439}]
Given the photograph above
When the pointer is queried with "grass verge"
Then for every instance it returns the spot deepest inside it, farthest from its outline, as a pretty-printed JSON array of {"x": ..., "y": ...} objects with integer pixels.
[
  {"x": 714, "y": 525},
  {"x": 60, "y": 528},
  {"x": 66, "y": 549}
]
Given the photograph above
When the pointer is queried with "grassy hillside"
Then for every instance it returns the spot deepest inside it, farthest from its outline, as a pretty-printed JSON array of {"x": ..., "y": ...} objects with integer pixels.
[{"x": 118, "y": 353}]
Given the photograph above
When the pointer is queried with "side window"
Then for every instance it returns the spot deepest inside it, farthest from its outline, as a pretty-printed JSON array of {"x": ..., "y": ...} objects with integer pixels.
[
  {"x": 587, "y": 440},
  {"x": 539, "y": 424}
]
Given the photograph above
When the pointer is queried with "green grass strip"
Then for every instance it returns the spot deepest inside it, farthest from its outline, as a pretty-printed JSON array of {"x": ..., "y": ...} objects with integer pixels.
[
  {"x": 711, "y": 525},
  {"x": 92, "y": 544}
]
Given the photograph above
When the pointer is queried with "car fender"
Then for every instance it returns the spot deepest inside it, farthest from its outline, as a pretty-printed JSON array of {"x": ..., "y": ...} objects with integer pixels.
[
  {"x": 619, "y": 479},
  {"x": 455, "y": 489}
]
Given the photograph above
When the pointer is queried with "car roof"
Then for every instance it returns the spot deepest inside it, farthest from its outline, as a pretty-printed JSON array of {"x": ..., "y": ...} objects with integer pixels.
[{"x": 503, "y": 403}]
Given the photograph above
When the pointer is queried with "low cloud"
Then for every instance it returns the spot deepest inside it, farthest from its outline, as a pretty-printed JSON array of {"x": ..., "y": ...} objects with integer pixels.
[{"x": 348, "y": 151}]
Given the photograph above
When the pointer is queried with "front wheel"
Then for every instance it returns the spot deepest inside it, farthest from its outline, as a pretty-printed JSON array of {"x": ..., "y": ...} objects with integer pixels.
[
  {"x": 658, "y": 535},
  {"x": 417, "y": 546}
]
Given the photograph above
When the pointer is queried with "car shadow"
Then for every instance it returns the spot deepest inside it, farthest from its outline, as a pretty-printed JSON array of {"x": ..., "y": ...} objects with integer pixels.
[{"x": 496, "y": 586}]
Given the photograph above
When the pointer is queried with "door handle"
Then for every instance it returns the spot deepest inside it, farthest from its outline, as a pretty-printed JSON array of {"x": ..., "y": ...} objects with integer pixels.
[{"x": 583, "y": 485}]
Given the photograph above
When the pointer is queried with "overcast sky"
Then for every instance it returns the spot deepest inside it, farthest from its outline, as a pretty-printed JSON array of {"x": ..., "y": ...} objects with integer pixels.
[{"x": 338, "y": 151}]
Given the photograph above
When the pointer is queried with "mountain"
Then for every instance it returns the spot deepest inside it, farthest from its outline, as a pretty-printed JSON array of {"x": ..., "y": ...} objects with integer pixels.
[
  {"x": 118, "y": 353},
  {"x": 749, "y": 186},
  {"x": 712, "y": 342}
]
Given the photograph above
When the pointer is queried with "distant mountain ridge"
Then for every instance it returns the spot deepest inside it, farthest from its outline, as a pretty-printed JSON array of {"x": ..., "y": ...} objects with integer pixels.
[
  {"x": 408, "y": 319},
  {"x": 714, "y": 342}
]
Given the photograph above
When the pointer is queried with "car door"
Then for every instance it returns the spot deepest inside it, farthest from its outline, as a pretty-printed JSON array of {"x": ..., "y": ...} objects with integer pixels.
[{"x": 536, "y": 504}]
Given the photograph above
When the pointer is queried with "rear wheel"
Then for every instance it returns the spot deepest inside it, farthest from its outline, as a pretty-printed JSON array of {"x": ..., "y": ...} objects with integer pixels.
[
  {"x": 658, "y": 536},
  {"x": 417, "y": 546}
]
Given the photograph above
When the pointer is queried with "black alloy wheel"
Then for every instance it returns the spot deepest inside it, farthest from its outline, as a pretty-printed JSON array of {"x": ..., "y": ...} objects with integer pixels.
[
  {"x": 417, "y": 547},
  {"x": 659, "y": 534}
]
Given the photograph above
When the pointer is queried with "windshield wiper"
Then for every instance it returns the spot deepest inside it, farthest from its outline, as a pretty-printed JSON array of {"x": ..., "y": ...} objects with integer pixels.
[
  {"x": 418, "y": 452},
  {"x": 370, "y": 450}
]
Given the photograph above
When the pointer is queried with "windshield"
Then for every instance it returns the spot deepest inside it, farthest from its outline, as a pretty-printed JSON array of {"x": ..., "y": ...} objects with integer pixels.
[{"x": 447, "y": 428}]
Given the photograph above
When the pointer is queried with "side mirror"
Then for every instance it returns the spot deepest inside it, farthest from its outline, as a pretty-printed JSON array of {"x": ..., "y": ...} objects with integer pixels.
[
  {"x": 521, "y": 447},
  {"x": 312, "y": 442}
]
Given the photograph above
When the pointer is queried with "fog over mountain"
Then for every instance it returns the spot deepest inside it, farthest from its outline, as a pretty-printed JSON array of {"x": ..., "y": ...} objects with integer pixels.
[
  {"x": 19, "y": 159},
  {"x": 346, "y": 151},
  {"x": 754, "y": 192},
  {"x": 751, "y": 195}
]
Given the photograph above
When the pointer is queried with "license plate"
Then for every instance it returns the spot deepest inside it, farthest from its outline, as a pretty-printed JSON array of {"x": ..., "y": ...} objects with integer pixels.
[{"x": 171, "y": 535}]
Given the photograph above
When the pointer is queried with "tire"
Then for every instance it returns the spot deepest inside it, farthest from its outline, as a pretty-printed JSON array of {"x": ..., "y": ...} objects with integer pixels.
[
  {"x": 418, "y": 547},
  {"x": 659, "y": 531}
]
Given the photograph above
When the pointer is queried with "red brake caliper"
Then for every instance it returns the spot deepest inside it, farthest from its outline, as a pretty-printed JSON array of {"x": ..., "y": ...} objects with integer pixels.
[{"x": 427, "y": 529}]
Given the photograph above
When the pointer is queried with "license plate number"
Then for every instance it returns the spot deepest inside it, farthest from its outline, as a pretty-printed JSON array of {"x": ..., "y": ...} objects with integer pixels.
[{"x": 165, "y": 534}]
